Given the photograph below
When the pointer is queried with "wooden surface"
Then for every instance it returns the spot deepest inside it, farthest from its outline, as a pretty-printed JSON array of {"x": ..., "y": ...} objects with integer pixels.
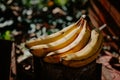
[
  {"x": 47, "y": 71},
  {"x": 7, "y": 60}
]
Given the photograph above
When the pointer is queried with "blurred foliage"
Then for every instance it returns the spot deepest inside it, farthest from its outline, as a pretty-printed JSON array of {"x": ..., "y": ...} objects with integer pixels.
[
  {"x": 24, "y": 19},
  {"x": 61, "y": 2}
]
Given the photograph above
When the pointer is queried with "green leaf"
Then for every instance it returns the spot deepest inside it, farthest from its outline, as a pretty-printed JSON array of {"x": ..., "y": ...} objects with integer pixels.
[
  {"x": 60, "y": 2},
  {"x": 7, "y": 35}
]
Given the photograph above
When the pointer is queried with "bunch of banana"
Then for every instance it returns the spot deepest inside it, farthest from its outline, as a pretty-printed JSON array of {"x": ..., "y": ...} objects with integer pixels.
[
  {"x": 80, "y": 41},
  {"x": 74, "y": 46},
  {"x": 40, "y": 47},
  {"x": 43, "y": 49},
  {"x": 80, "y": 57},
  {"x": 56, "y": 36}
]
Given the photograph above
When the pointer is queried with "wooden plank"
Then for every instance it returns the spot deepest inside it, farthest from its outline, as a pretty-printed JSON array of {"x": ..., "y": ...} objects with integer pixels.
[
  {"x": 7, "y": 60},
  {"x": 105, "y": 17},
  {"x": 112, "y": 10}
]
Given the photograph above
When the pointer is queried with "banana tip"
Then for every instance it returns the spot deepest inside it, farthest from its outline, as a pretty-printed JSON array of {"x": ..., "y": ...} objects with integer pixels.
[
  {"x": 83, "y": 16},
  {"x": 102, "y": 27}
]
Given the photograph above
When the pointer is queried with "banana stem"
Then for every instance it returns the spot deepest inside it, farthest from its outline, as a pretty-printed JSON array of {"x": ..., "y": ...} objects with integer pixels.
[
  {"x": 79, "y": 21},
  {"x": 102, "y": 27},
  {"x": 83, "y": 16}
]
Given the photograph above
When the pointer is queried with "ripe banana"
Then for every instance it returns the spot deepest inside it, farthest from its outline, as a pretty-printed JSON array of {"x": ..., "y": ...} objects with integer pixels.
[
  {"x": 80, "y": 63},
  {"x": 43, "y": 49},
  {"x": 90, "y": 49},
  {"x": 76, "y": 45},
  {"x": 55, "y": 36}
]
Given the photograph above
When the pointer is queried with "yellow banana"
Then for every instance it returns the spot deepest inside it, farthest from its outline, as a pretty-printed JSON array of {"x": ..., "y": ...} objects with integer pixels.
[
  {"x": 78, "y": 43},
  {"x": 43, "y": 49},
  {"x": 75, "y": 46},
  {"x": 90, "y": 49},
  {"x": 55, "y": 36},
  {"x": 80, "y": 63}
]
